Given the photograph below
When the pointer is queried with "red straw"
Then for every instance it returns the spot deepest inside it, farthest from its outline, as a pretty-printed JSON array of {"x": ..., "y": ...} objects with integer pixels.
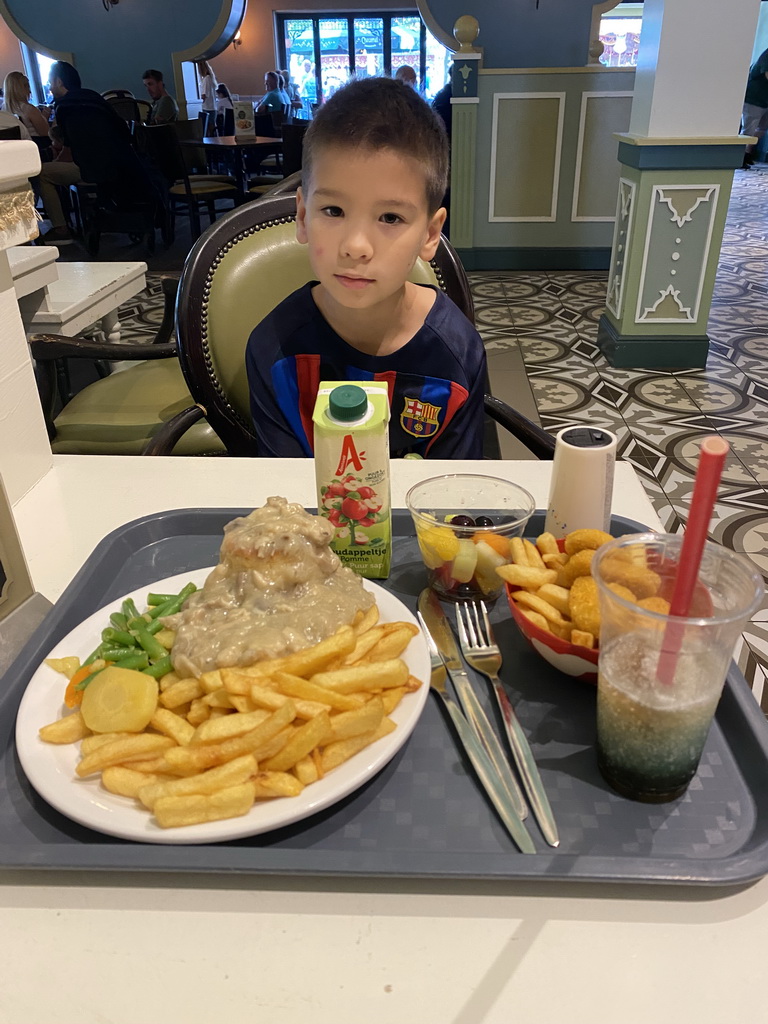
[{"x": 713, "y": 452}]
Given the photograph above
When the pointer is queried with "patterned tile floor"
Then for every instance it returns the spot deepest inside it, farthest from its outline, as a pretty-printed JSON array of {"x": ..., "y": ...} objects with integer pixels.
[{"x": 540, "y": 329}]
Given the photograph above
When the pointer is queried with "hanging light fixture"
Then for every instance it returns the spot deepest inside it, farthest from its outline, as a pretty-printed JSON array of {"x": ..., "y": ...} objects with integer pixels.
[{"x": 110, "y": 3}]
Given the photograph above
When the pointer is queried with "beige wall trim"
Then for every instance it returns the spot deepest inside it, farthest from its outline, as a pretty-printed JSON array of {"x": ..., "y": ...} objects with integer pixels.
[
  {"x": 33, "y": 44},
  {"x": 498, "y": 98},
  {"x": 697, "y": 140},
  {"x": 585, "y": 98},
  {"x": 465, "y": 99}
]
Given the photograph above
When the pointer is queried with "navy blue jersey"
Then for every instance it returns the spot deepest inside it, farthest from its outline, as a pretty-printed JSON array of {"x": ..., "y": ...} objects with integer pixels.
[{"x": 436, "y": 381}]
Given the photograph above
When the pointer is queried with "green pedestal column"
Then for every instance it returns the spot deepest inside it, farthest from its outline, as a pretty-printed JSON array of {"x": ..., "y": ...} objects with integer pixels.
[{"x": 672, "y": 204}]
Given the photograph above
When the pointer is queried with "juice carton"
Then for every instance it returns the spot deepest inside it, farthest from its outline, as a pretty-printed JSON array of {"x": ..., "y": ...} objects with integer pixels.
[{"x": 352, "y": 472}]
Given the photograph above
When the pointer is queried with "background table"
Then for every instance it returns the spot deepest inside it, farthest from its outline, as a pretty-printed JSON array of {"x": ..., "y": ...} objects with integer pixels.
[
  {"x": 126, "y": 948},
  {"x": 238, "y": 146}
]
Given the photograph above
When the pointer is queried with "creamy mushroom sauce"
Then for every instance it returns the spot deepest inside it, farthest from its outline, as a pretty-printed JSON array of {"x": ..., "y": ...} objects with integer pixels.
[{"x": 277, "y": 588}]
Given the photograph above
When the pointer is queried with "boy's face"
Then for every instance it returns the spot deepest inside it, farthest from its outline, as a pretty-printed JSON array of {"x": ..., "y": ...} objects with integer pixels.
[{"x": 364, "y": 216}]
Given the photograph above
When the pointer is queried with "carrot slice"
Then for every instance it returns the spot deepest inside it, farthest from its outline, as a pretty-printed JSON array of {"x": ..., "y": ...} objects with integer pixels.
[{"x": 72, "y": 696}]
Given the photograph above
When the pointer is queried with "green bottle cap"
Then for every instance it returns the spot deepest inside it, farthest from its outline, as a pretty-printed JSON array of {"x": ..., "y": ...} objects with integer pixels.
[{"x": 347, "y": 402}]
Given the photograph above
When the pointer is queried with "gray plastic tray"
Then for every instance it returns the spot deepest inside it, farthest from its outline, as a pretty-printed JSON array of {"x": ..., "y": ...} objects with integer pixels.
[{"x": 423, "y": 815}]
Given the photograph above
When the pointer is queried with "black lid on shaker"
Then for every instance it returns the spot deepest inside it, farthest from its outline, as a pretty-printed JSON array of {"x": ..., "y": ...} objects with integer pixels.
[{"x": 586, "y": 437}]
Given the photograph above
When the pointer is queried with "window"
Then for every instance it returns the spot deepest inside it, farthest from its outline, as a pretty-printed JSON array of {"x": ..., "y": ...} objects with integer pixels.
[
  {"x": 37, "y": 67},
  {"x": 620, "y": 35},
  {"x": 322, "y": 53}
]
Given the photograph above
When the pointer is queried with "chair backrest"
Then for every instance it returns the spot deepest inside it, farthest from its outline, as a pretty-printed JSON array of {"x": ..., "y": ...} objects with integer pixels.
[
  {"x": 194, "y": 157},
  {"x": 160, "y": 144},
  {"x": 145, "y": 109},
  {"x": 10, "y": 133},
  {"x": 126, "y": 107},
  {"x": 293, "y": 141},
  {"x": 246, "y": 263},
  {"x": 264, "y": 125}
]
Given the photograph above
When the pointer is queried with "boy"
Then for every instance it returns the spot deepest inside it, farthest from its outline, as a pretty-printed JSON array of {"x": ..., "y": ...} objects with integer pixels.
[{"x": 374, "y": 174}]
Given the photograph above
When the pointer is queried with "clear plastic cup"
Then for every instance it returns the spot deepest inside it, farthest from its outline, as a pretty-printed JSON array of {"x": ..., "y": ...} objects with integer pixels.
[
  {"x": 660, "y": 676},
  {"x": 463, "y": 525}
]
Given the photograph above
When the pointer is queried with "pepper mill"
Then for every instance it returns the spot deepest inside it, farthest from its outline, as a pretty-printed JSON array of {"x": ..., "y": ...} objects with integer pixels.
[{"x": 582, "y": 480}]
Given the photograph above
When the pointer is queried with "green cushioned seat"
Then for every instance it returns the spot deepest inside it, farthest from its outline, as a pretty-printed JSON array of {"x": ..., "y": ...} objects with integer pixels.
[{"x": 119, "y": 414}]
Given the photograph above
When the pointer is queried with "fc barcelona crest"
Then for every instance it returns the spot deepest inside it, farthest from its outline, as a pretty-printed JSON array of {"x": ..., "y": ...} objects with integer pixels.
[{"x": 419, "y": 419}]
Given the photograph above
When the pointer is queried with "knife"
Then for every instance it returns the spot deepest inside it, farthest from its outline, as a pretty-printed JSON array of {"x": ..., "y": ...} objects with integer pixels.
[
  {"x": 440, "y": 630},
  {"x": 476, "y": 752}
]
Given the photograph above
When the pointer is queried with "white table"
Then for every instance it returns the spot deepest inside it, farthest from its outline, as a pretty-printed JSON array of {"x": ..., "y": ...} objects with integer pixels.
[
  {"x": 80, "y": 295},
  {"x": 130, "y": 947},
  {"x": 33, "y": 267}
]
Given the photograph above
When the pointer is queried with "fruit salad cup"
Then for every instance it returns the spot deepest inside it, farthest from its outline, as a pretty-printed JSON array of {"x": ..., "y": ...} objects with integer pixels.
[{"x": 464, "y": 523}]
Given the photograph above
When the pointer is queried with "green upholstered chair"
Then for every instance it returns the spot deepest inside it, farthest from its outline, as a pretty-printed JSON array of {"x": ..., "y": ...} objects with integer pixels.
[
  {"x": 119, "y": 414},
  {"x": 237, "y": 272}
]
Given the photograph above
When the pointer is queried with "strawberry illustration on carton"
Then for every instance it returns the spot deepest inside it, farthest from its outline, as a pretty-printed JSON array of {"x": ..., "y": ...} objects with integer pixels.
[{"x": 352, "y": 472}]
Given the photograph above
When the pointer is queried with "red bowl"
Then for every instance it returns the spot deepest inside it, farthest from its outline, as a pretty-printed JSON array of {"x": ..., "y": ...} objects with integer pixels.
[{"x": 573, "y": 660}]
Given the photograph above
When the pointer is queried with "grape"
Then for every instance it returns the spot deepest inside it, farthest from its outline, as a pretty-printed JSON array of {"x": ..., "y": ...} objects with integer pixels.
[
  {"x": 462, "y": 520},
  {"x": 484, "y": 521}
]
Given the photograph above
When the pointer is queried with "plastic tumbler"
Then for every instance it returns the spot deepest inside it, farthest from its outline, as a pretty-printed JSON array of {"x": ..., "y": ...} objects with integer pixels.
[{"x": 660, "y": 676}]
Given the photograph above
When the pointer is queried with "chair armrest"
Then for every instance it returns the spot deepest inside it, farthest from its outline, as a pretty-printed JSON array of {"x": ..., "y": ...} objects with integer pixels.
[
  {"x": 163, "y": 442},
  {"x": 47, "y": 347},
  {"x": 540, "y": 443}
]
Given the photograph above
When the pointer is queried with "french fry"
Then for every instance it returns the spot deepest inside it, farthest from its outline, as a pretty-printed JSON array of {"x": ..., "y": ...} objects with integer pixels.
[
  {"x": 176, "y": 811},
  {"x": 304, "y": 689},
  {"x": 368, "y": 621},
  {"x": 517, "y": 551},
  {"x": 271, "y": 700},
  {"x": 214, "y": 730},
  {"x": 123, "y": 750},
  {"x": 394, "y": 642},
  {"x": 311, "y": 734},
  {"x": 177, "y": 728},
  {"x": 526, "y": 575},
  {"x": 582, "y": 638},
  {"x": 212, "y": 681},
  {"x": 555, "y": 561},
  {"x": 219, "y": 699},
  {"x": 547, "y": 544},
  {"x": 268, "y": 785},
  {"x": 230, "y": 774},
  {"x": 181, "y": 692},
  {"x": 337, "y": 753},
  {"x": 380, "y": 675},
  {"x": 537, "y": 619},
  {"x": 537, "y": 604},
  {"x": 301, "y": 663},
  {"x": 98, "y": 739},
  {"x": 242, "y": 703},
  {"x": 556, "y": 596},
  {"x": 207, "y": 756},
  {"x": 198, "y": 713},
  {"x": 391, "y": 698},
  {"x": 126, "y": 781},
  {"x": 353, "y": 723},
  {"x": 306, "y": 770},
  {"x": 534, "y": 557},
  {"x": 364, "y": 643},
  {"x": 68, "y": 729}
]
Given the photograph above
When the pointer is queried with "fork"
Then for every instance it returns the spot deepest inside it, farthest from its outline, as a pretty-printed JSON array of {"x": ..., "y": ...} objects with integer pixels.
[
  {"x": 482, "y": 654},
  {"x": 475, "y": 750}
]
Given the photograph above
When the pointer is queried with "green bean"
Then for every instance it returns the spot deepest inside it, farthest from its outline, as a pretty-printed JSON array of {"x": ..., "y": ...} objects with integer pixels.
[
  {"x": 92, "y": 656},
  {"x": 153, "y": 648},
  {"x": 174, "y": 604},
  {"x": 130, "y": 611},
  {"x": 118, "y": 636},
  {"x": 154, "y": 627},
  {"x": 114, "y": 653},
  {"x": 159, "y": 668},
  {"x": 118, "y": 620},
  {"x": 139, "y": 661},
  {"x": 159, "y": 598},
  {"x": 89, "y": 679}
]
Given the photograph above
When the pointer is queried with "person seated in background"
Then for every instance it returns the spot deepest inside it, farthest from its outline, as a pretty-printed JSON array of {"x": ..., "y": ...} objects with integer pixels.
[
  {"x": 374, "y": 173},
  {"x": 292, "y": 91},
  {"x": 164, "y": 107},
  {"x": 406, "y": 75},
  {"x": 101, "y": 146},
  {"x": 11, "y": 121},
  {"x": 17, "y": 93},
  {"x": 275, "y": 100},
  {"x": 225, "y": 111}
]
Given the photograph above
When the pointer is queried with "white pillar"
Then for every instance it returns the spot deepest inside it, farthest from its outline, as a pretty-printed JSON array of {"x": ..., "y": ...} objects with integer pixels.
[
  {"x": 692, "y": 67},
  {"x": 25, "y": 453}
]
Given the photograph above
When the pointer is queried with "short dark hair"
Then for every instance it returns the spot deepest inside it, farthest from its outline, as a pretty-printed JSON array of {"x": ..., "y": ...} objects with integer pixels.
[
  {"x": 153, "y": 73},
  {"x": 68, "y": 76},
  {"x": 381, "y": 113}
]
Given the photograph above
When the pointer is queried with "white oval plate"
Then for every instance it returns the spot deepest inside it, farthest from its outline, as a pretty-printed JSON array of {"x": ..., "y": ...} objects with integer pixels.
[{"x": 51, "y": 768}]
